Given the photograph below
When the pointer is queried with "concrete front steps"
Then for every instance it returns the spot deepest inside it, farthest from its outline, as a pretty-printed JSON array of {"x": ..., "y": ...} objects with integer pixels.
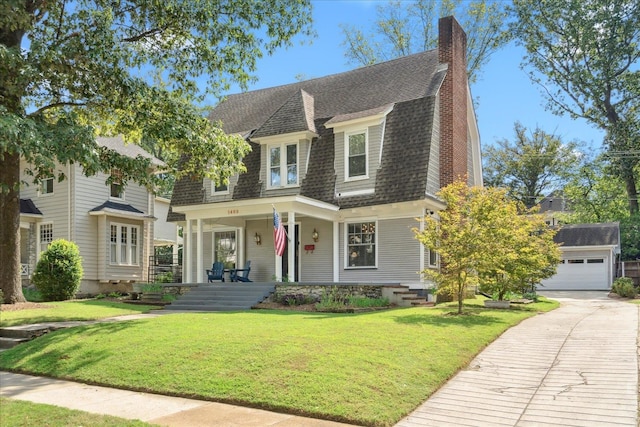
[
  {"x": 403, "y": 296},
  {"x": 222, "y": 297},
  {"x": 11, "y": 336}
]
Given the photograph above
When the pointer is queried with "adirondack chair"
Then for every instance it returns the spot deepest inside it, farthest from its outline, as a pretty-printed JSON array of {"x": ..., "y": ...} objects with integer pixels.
[
  {"x": 216, "y": 272},
  {"x": 241, "y": 274}
]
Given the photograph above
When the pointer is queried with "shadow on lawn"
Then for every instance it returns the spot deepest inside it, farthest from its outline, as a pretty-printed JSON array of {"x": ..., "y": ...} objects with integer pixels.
[
  {"x": 469, "y": 318},
  {"x": 42, "y": 357}
]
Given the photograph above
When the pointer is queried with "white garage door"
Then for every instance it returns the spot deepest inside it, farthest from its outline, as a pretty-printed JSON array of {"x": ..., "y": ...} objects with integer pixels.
[{"x": 579, "y": 273}]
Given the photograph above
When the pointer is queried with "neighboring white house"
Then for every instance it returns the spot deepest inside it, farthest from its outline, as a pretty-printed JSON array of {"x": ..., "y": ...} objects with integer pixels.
[
  {"x": 589, "y": 253},
  {"x": 349, "y": 161},
  {"x": 113, "y": 228}
]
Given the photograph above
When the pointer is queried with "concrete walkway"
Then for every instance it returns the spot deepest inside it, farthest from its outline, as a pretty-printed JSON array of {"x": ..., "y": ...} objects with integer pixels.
[{"x": 575, "y": 366}]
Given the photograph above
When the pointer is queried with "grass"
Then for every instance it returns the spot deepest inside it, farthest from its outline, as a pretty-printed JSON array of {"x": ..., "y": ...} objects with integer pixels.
[
  {"x": 17, "y": 413},
  {"x": 70, "y": 310},
  {"x": 369, "y": 368}
]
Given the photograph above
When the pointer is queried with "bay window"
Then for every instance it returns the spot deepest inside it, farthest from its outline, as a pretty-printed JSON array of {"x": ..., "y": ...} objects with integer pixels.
[{"x": 124, "y": 244}]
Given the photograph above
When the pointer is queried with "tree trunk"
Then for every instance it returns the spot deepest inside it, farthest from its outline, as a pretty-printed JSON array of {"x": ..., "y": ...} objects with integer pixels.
[
  {"x": 10, "y": 280},
  {"x": 632, "y": 193}
]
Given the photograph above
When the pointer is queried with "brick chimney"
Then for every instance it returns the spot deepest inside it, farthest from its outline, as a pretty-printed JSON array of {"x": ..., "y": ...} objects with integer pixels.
[{"x": 452, "y": 47}]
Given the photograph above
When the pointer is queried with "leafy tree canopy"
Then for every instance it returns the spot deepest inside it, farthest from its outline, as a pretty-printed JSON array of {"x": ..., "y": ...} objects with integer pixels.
[
  {"x": 483, "y": 235},
  {"x": 585, "y": 55},
  {"x": 531, "y": 166},
  {"x": 406, "y": 27},
  {"x": 71, "y": 69}
]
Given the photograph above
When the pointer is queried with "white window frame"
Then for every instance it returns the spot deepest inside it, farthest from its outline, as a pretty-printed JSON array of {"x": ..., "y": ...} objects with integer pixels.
[
  {"x": 283, "y": 165},
  {"x": 375, "y": 244},
  {"x": 215, "y": 192},
  {"x": 43, "y": 244},
  {"x": 128, "y": 245},
  {"x": 436, "y": 257},
  {"x": 364, "y": 131},
  {"x": 42, "y": 186}
]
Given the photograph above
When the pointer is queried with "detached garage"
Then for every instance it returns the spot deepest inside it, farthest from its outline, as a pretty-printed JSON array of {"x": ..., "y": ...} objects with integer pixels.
[{"x": 589, "y": 254}]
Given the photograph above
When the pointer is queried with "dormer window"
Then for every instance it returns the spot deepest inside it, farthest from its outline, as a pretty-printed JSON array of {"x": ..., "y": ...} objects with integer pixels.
[
  {"x": 283, "y": 165},
  {"x": 221, "y": 188},
  {"x": 116, "y": 189},
  {"x": 356, "y": 148}
]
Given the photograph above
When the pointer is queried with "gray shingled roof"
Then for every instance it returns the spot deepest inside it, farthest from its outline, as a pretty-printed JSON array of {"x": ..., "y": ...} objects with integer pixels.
[
  {"x": 589, "y": 234},
  {"x": 27, "y": 207},
  {"x": 408, "y": 85},
  {"x": 402, "y": 79},
  {"x": 124, "y": 207}
]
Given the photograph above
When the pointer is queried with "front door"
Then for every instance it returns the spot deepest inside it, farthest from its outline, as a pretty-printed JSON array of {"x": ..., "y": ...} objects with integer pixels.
[{"x": 285, "y": 256}]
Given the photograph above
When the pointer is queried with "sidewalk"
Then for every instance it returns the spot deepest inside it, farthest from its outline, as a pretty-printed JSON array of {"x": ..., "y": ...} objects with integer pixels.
[{"x": 575, "y": 366}]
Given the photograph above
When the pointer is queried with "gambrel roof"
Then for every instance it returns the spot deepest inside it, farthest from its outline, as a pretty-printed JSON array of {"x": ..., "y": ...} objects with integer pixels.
[{"x": 403, "y": 89}]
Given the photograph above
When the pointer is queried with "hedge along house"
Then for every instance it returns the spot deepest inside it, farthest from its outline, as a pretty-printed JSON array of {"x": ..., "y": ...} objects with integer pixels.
[{"x": 349, "y": 161}]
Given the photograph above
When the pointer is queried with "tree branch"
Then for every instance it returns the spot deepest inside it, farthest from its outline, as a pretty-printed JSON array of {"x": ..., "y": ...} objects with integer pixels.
[
  {"x": 57, "y": 104},
  {"x": 143, "y": 35}
]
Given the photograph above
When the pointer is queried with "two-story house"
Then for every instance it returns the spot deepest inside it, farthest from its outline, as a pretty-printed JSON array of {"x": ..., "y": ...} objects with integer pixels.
[
  {"x": 349, "y": 161},
  {"x": 112, "y": 225}
]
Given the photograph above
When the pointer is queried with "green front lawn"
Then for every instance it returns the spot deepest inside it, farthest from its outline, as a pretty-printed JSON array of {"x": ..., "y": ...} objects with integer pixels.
[
  {"x": 369, "y": 368},
  {"x": 70, "y": 310},
  {"x": 17, "y": 413}
]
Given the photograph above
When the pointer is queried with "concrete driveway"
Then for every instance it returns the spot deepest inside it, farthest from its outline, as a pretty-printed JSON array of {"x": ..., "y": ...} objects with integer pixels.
[{"x": 575, "y": 366}]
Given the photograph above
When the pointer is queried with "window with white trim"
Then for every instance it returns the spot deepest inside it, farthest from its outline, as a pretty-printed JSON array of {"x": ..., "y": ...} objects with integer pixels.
[
  {"x": 283, "y": 165},
  {"x": 356, "y": 148},
  {"x": 361, "y": 244},
  {"x": 46, "y": 236},
  {"x": 46, "y": 186},
  {"x": 116, "y": 188},
  {"x": 433, "y": 258},
  {"x": 221, "y": 188},
  {"x": 124, "y": 244}
]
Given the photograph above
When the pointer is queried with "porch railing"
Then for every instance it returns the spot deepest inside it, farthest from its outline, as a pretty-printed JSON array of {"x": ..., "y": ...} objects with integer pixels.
[
  {"x": 165, "y": 269},
  {"x": 24, "y": 269}
]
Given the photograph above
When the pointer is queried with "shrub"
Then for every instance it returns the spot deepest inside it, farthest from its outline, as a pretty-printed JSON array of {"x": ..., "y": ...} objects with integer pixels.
[
  {"x": 623, "y": 286},
  {"x": 59, "y": 271},
  {"x": 296, "y": 299},
  {"x": 364, "y": 302}
]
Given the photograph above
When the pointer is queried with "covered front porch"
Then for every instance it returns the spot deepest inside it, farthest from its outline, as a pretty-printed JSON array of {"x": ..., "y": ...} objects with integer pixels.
[{"x": 240, "y": 231}]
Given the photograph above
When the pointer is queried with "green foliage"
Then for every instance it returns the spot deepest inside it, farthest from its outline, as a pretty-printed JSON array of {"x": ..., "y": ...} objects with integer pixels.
[
  {"x": 59, "y": 271},
  {"x": 403, "y": 28},
  {"x": 531, "y": 166},
  {"x": 152, "y": 287},
  {"x": 166, "y": 277},
  {"x": 295, "y": 299},
  {"x": 585, "y": 57},
  {"x": 482, "y": 237},
  {"x": 169, "y": 298},
  {"x": 331, "y": 299},
  {"x": 126, "y": 67},
  {"x": 364, "y": 302},
  {"x": 32, "y": 294},
  {"x": 623, "y": 286}
]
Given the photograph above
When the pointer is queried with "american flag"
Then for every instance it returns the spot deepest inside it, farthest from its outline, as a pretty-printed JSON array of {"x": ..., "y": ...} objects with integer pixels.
[{"x": 279, "y": 234}]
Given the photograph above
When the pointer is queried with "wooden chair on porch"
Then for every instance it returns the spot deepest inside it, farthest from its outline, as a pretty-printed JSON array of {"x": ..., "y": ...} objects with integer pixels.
[
  {"x": 241, "y": 274},
  {"x": 216, "y": 272}
]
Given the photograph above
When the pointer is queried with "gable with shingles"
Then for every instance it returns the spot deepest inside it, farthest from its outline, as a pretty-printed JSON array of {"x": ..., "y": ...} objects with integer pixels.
[{"x": 295, "y": 115}]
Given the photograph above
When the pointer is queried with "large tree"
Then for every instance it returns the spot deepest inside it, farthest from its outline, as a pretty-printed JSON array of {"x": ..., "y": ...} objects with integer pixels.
[
  {"x": 585, "y": 54},
  {"x": 483, "y": 234},
  {"x": 72, "y": 68},
  {"x": 406, "y": 27},
  {"x": 531, "y": 166}
]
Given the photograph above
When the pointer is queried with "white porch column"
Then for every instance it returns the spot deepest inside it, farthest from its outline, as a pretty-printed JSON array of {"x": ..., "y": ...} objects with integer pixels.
[
  {"x": 336, "y": 251},
  {"x": 291, "y": 245},
  {"x": 241, "y": 243},
  {"x": 187, "y": 252},
  {"x": 199, "y": 252}
]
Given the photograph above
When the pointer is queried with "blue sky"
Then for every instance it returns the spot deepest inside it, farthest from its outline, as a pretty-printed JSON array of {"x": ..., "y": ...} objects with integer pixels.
[{"x": 504, "y": 92}]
